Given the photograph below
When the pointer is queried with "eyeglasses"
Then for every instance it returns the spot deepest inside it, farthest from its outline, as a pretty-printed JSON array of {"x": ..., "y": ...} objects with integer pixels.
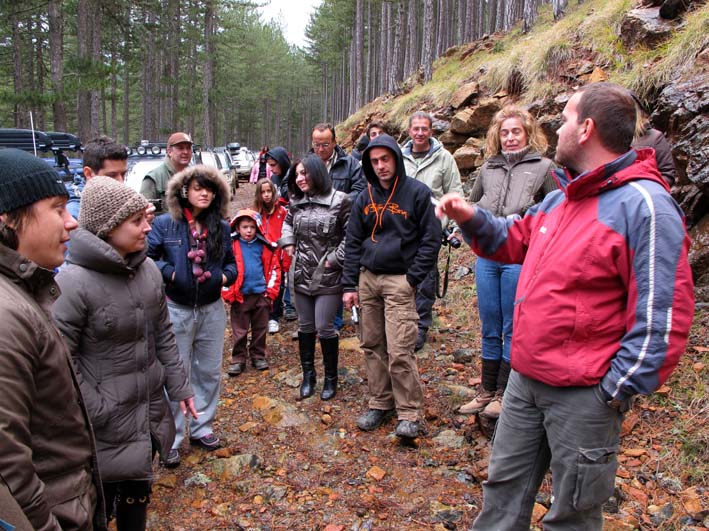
[{"x": 321, "y": 146}]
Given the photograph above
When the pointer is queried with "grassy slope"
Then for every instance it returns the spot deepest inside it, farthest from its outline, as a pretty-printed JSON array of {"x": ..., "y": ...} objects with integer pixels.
[{"x": 545, "y": 57}]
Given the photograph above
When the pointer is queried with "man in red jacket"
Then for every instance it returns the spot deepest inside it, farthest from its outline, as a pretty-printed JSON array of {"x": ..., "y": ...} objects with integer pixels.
[{"x": 602, "y": 312}]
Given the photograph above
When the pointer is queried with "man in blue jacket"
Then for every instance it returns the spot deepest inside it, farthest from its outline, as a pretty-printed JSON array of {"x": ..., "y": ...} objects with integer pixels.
[{"x": 393, "y": 238}]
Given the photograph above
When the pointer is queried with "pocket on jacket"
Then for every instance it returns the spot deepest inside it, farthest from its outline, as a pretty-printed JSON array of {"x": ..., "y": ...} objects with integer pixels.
[
  {"x": 595, "y": 477},
  {"x": 172, "y": 242}
]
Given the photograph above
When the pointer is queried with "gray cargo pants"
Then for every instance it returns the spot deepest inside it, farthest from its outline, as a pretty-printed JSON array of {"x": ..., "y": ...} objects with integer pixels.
[{"x": 568, "y": 429}]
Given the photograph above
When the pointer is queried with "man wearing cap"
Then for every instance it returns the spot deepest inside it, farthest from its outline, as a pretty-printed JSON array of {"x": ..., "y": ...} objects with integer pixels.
[
  {"x": 179, "y": 156},
  {"x": 48, "y": 458}
]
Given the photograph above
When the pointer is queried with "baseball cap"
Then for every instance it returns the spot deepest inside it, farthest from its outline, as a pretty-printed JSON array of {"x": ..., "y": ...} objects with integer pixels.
[{"x": 179, "y": 138}]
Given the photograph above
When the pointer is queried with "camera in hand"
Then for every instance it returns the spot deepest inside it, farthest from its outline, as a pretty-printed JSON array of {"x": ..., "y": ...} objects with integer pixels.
[{"x": 453, "y": 242}]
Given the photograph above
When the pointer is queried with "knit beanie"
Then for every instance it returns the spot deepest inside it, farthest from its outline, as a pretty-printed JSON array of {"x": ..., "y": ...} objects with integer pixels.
[
  {"x": 106, "y": 203},
  {"x": 26, "y": 179}
]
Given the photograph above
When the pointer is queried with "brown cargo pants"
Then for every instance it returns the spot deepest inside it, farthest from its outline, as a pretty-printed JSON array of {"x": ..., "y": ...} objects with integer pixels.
[{"x": 388, "y": 328}]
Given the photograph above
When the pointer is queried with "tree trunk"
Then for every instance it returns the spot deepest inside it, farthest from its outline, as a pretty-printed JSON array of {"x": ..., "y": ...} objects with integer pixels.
[
  {"x": 358, "y": 79},
  {"x": 38, "y": 107},
  {"x": 88, "y": 47},
  {"x": 208, "y": 80},
  {"x": 558, "y": 8},
  {"x": 530, "y": 14},
  {"x": 368, "y": 65},
  {"x": 427, "y": 51},
  {"x": 126, "y": 91},
  {"x": 56, "y": 64}
]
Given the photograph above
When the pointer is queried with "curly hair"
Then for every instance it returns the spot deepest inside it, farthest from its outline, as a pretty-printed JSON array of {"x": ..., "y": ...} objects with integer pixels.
[{"x": 535, "y": 138}]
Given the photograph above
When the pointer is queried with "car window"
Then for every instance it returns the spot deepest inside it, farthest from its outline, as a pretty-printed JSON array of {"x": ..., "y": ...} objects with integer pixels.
[{"x": 134, "y": 177}]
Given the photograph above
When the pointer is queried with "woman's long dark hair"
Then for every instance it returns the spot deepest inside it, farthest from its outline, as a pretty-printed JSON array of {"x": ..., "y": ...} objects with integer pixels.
[
  {"x": 320, "y": 182},
  {"x": 210, "y": 218}
]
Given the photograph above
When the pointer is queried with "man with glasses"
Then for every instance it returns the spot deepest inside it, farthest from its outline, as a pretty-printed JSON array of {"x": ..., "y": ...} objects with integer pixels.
[
  {"x": 179, "y": 156},
  {"x": 345, "y": 171}
]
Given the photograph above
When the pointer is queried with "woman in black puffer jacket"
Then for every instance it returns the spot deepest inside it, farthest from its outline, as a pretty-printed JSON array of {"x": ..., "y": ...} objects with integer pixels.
[{"x": 314, "y": 234}]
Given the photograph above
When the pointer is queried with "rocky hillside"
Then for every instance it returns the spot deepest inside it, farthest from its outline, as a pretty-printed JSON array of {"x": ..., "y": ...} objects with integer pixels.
[{"x": 655, "y": 48}]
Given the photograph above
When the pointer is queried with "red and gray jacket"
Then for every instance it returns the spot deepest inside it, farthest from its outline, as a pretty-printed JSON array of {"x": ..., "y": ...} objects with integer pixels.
[
  {"x": 605, "y": 293},
  {"x": 271, "y": 272}
]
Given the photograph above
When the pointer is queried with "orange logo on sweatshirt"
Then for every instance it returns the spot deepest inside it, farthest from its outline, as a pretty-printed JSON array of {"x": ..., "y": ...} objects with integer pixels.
[{"x": 392, "y": 208}]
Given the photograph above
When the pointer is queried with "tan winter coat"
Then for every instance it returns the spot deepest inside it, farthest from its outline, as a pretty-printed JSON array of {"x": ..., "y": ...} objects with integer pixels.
[
  {"x": 47, "y": 455},
  {"x": 114, "y": 318},
  {"x": 505, "y": 189}
]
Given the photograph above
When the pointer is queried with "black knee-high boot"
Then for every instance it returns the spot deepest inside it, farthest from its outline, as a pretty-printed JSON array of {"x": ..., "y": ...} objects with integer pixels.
[
  {"x": 306, "y": 349},
  {"x": 131, "y": 512},
  {"x": 330, "y": 350},
  {"x": 503, "y": 375}
]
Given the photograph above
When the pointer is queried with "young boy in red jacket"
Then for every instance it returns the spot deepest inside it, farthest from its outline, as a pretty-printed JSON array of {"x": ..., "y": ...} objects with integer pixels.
[{"x": 252, "y": 295}]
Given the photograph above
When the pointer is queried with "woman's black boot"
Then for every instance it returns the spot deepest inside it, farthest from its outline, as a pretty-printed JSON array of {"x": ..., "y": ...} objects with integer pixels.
[
  {"x": 330, "y": 349},
  {"x": 306, "y": 349}
]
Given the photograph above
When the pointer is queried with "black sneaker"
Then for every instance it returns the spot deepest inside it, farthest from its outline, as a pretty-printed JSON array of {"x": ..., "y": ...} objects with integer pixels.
[
  {"x": 374, "y": 418},
  {"x": 289, "y": 314},
  {"x": 173, "y": 459},
  {"x": 408, "y": 429},
  {"x": 209, "y": 442},
  {"x": 235, "y": 369},
  {"x": 260, "y": 364},
  {"x": 420, "y": 339}
]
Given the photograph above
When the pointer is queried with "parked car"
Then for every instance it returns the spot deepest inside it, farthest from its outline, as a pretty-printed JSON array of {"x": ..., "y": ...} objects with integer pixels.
[
  {"x": 142, "y": 158},
  {"x": 209, "y": 157},
  {"x": 242, "y": 160}
]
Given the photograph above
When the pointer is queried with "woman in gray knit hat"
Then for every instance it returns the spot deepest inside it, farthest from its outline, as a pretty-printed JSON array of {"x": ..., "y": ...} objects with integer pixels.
[{"x": 113, "y": 315}]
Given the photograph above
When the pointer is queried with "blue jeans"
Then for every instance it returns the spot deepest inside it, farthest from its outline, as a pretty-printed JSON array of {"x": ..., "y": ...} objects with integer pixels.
[{"x": 496, "y": 285}]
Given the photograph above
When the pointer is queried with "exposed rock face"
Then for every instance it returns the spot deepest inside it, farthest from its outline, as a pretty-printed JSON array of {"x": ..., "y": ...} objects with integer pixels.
[
  {"x": 644, "y": 27},
  {"x": 475, "y": 119},
  {"x": 469, "y": 157},
  {"x": 464, "y": 95},
  {"x": 682, "y": 111}
]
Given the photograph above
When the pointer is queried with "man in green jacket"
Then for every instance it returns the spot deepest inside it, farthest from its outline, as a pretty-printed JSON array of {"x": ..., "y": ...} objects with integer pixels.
[
  {"x": 428, "y": 161},
  {"x": 179, "y": 156}
]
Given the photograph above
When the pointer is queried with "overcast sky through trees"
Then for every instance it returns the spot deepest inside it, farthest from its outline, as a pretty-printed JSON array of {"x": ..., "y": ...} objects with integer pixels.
[{"x": 292, "y": 15}]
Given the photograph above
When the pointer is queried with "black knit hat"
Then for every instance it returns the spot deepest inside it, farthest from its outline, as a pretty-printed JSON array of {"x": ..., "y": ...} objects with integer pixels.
[{"x": 26, "y": 179}]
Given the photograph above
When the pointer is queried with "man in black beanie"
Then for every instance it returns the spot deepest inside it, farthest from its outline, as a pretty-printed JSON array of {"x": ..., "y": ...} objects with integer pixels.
[{"x": 48, "y": 456}]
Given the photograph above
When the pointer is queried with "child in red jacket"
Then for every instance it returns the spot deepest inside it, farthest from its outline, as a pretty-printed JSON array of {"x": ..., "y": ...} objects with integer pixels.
[
  {"x": 252, "y": 295},
  {"x": 273, "y": 213}
]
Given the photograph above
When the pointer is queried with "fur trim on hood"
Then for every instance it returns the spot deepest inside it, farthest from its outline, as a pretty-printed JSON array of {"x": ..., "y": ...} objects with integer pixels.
[{"x": 174, "y": 188}]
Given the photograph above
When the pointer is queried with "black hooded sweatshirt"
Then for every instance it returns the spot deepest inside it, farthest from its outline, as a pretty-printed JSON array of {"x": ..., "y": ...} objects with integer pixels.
[
  {"x": 406, "y": 235},
  {"x": 280, "y": 155}
]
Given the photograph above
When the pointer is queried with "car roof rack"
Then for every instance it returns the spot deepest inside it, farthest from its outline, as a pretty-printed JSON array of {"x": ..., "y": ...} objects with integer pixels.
[
  {"x": 64, "y": 141},
  {"x": 25, "y": 139}
]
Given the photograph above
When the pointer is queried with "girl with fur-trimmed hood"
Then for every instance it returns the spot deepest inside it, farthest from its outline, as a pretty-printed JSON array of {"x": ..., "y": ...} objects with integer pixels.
[{"x": 191, "y": 245}]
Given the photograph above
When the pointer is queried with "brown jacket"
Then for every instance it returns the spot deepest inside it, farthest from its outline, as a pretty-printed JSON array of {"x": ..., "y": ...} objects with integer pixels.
[
  {"x": 113, "y": 316},
  {"x": 505, "y": 189},
  {"x": 47, "y": 456},
  {"x": 663, "y": 153}
]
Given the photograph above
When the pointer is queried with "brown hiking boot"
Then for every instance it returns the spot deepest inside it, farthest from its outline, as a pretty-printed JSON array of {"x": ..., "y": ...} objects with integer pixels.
[
  {"x": 477, "y": 404},
  {"x": 494, "y": 408}
]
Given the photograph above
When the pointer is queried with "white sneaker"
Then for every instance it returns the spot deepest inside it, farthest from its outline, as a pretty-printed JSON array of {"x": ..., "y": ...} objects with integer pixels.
[{"x": 273, "y": 326}]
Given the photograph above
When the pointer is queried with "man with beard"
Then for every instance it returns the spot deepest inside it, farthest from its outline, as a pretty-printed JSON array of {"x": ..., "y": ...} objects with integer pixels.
[{"x": 604, "y": 306}]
